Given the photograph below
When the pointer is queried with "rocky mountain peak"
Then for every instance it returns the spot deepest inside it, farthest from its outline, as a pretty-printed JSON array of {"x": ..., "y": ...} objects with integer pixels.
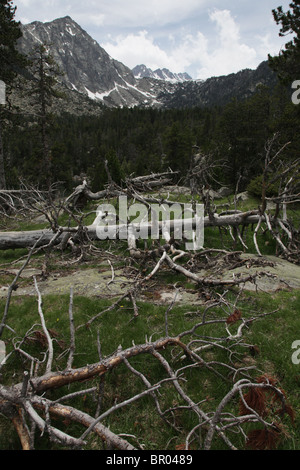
[
  {"x": 87, "y": 67},
  {"x": 90, "y": 71},
  {"x": 141, "y": 71}
]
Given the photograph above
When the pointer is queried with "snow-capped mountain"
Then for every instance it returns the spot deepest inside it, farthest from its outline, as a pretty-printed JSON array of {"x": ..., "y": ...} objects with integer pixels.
[
  {"x": 89, "y": 72},
  {"x": 141, "y": 71},
  {"x": 87, "y": 67}
]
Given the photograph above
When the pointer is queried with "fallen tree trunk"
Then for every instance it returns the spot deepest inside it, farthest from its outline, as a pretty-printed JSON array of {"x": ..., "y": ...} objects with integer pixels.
[
  {"x": 27, "y": 239},
  {"x": 13, "y": 240},
  {"x": 140, "y": 183}
]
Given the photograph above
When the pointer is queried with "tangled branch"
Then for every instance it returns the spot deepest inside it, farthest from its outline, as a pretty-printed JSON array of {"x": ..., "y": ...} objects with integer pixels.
[{"x": 29, "y": 403}]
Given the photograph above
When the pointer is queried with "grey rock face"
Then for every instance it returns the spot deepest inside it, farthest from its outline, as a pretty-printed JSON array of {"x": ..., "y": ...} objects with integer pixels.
[
  {"x": 92, "y": 73},
  {"x": 87, "y": 67}
]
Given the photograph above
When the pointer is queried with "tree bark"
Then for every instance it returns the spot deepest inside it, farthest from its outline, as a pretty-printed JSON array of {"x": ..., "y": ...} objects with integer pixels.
[
  {"x": 13, "y": 240},
  {"x": 2, "y": 168}
]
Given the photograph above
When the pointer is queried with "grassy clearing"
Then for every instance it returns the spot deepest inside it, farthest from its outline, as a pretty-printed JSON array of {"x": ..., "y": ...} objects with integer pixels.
[{"x": 272, "y": 337}]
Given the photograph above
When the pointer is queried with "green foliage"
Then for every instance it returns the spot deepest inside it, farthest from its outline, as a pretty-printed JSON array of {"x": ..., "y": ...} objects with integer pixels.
[
  {"x": 43, "y": 88},
  {"x": 140, "y": 141},
  {"x": 255, "y": 187},
  {"x": 178, "y": 141},
  {"x": 10, "y": 32},
  {"x": 11, "y": 61},
  {"x": 287, "y": 63}
]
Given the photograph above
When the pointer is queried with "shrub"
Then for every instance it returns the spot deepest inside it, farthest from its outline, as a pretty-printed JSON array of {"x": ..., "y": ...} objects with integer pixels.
[{"x": 255, "y": 187}]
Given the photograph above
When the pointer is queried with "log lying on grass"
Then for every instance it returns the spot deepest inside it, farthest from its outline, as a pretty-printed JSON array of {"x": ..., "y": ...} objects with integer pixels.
[{"x": 27, "y": 239}]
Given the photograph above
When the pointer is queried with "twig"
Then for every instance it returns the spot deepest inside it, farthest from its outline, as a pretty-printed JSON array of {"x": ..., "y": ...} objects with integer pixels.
[
  {"x": 72, "y": 332},
  {"x": 118, "y": 406},
  {"x": 61, "y": 436},
  {"x": 112, "y": 273},
  {"x": 49, "y": 340},
  {"x": 13, "y": 285}
]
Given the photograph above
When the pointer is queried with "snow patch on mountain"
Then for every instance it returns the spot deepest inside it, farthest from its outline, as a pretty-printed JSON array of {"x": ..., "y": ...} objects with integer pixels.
[{"x": 141, "y": 71}]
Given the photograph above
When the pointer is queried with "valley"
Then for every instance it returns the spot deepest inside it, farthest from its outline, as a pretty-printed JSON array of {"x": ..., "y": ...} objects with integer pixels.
[{"x": 143, "y": 339}]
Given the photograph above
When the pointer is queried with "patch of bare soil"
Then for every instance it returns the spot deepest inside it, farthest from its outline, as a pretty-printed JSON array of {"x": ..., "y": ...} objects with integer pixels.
[{"x": 271, "y": 273}]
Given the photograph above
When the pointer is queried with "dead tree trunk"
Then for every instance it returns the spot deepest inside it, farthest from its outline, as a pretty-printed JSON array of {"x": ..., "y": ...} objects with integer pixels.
[
  {"x": 25, "y": 239},
  {"x": 2, "y": 169}
]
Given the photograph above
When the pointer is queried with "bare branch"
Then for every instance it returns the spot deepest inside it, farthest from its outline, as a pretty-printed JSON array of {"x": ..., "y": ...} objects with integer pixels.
[{"x": 49, "y": 339}]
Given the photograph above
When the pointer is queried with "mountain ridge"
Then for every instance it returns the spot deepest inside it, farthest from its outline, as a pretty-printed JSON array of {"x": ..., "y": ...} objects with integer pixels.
[
  {"x": 87, "y": 67},
  {"x": 221, "y": 89},
  {"x": 91, "y": 72},
  {"x": 142, "y": 71}
]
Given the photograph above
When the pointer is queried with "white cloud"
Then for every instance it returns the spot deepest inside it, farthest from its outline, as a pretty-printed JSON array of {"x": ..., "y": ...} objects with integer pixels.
[
  {"x": 135, "y": 49},
  {"x": 132, "y": 13},
  {"x": 227, "y": 28},
  {"x": 141, "y": 14},
  {"x": 228, "y": 54},
  {"x": 182, "y": 35},
  {"x": 268, "y": 43}
]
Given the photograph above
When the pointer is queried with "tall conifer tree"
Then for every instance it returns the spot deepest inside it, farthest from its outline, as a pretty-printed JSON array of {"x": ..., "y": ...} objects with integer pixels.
[
  {"x": 287, "y": 63},
  {"x": 10, "y": 61},
  {"x": 45, "y": 74}
]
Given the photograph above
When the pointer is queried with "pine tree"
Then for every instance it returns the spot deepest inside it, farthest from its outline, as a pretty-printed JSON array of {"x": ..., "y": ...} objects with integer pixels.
[
  {"x": 44, "y": 88},
  {"x": 287, "y": 63},
  {"x": 11, "y": 61},
  {"x": 10, "y": 32}
]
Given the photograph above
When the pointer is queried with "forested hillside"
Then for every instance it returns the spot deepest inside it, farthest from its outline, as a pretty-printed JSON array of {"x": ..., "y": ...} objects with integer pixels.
[
  {"x": 150, "y": 261},
  {"x": 140, "y": 141}
]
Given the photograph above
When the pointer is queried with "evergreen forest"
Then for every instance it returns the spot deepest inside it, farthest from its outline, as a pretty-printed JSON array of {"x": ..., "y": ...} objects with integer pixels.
[{"x": 140, "y": 141}]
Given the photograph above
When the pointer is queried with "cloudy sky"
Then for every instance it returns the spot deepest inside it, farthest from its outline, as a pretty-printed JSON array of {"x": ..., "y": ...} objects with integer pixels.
[{"x": 202, "y": 37}]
